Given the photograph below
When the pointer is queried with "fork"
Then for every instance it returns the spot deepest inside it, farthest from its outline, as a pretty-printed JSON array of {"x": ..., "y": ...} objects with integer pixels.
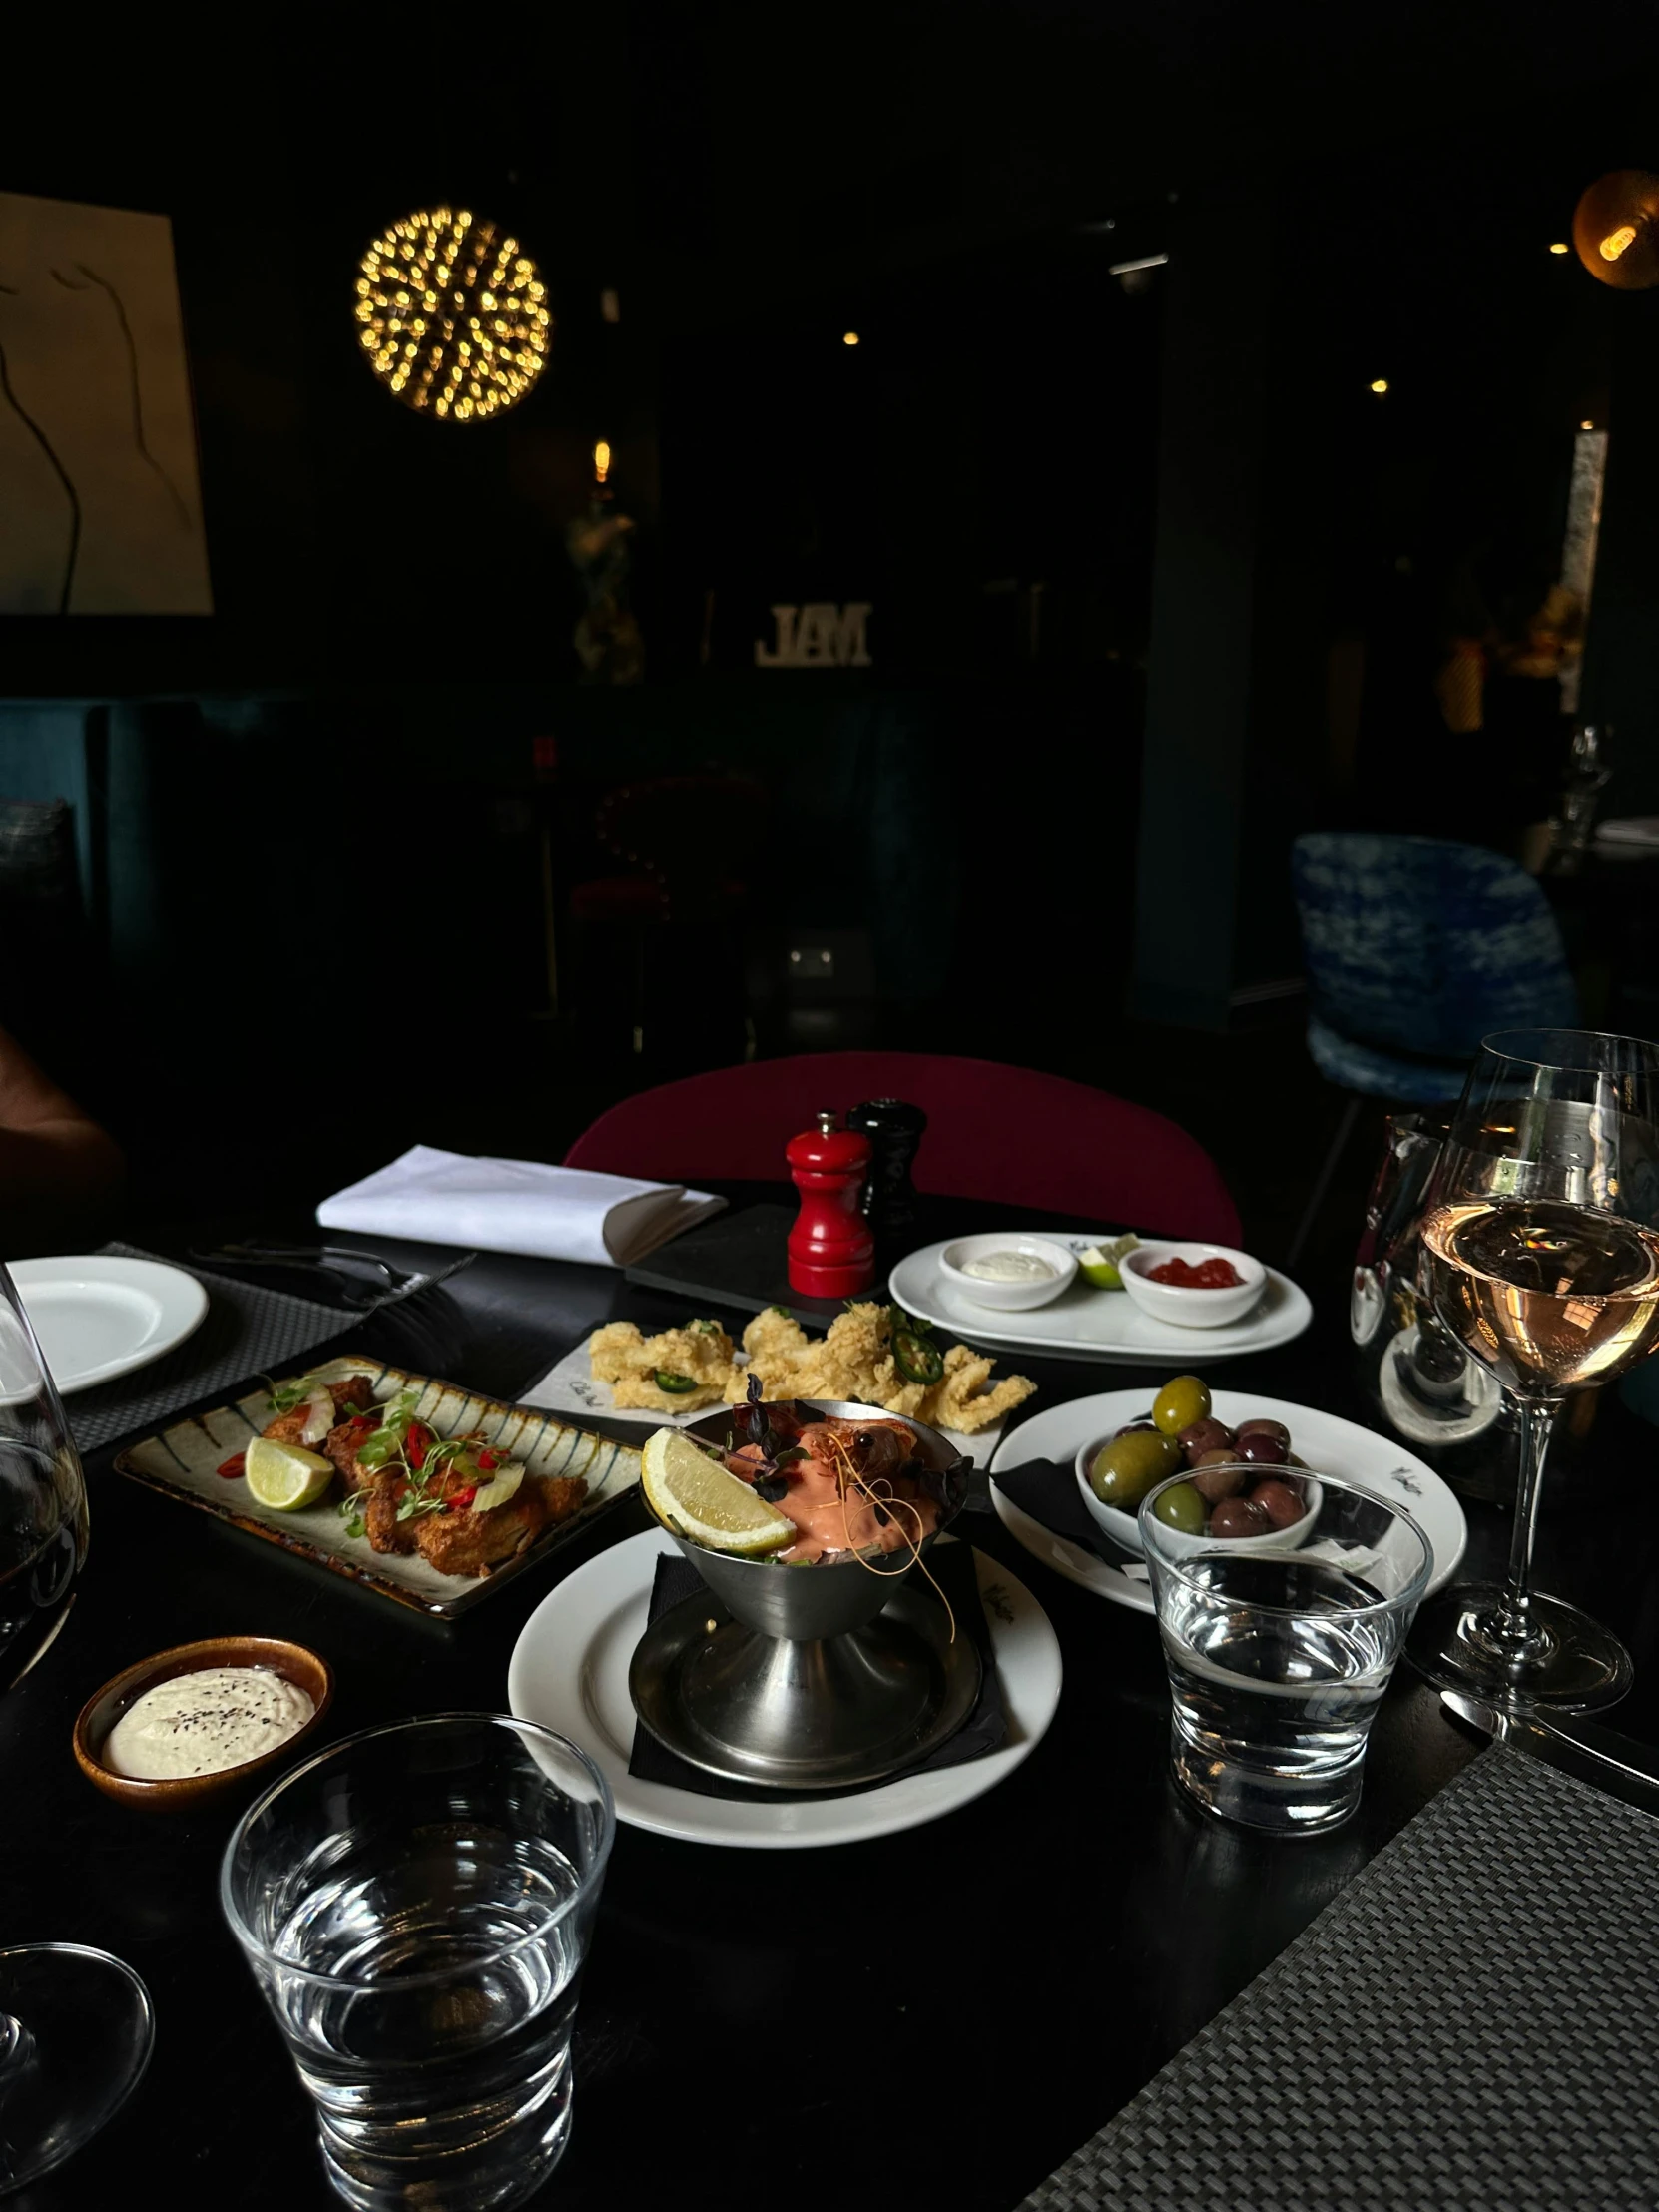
[{"x": 338, "y": 1261}]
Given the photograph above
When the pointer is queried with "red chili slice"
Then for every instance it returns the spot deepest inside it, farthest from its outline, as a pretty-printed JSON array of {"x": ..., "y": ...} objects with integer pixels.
[
  {"x": 231, "y": 1468},
  {"x": 463, "y": 1498},
  {"x": 489, "y": 1461},
  {"x": 416, "y": 1445}
]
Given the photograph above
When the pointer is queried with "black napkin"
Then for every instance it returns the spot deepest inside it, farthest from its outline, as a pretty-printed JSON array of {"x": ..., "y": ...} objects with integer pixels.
[
  {"x": 1047, "y": 1490},
  {"x": 951, "y": 1566}
]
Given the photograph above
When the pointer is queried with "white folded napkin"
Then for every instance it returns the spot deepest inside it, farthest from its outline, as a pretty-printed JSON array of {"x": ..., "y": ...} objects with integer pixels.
[{"x": 517, "y": 1206}]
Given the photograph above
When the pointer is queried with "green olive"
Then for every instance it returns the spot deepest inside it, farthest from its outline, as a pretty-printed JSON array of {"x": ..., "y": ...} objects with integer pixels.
[
  {"x": 1131, "y": 1465},
  {"x": 1180, "y": 1506},
  {"x": 1182, "y": 1403}
]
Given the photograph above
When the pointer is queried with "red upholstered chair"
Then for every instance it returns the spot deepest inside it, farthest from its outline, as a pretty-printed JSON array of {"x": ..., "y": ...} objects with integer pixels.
[{"x": 1008, "y": 1135}]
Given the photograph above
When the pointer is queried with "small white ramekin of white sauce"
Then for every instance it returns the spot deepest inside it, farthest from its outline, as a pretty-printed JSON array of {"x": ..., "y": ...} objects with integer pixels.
[
  {"x": 206, "y": 1722},
  {"x": 1008, "y": 1272}
]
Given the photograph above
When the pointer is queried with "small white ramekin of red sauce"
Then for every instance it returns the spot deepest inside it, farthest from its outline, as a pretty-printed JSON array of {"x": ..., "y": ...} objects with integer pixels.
[{"x": 1191, "y": 1285}]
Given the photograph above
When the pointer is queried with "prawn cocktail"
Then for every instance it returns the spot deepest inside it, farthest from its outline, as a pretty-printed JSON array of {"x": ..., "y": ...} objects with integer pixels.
[{"x": 853, "y": 1486}]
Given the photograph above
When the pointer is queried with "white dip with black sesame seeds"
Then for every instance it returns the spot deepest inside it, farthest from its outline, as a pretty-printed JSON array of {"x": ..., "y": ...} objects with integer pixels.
[{"x": 206, "y": 1722}]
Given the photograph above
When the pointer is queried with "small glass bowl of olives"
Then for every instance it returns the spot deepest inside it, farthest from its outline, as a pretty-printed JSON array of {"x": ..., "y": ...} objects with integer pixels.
[{"x": 1245, "y": 1485}]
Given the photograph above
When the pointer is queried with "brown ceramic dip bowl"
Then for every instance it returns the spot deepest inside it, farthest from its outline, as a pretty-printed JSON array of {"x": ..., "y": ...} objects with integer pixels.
[{"x": 294, "y": 1662}]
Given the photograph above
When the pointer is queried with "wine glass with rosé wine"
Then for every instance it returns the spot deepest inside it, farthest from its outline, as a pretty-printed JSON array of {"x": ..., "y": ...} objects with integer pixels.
[
  {"x": 1541, "y": 1242},
  {"x": 76, "y": 2025}
]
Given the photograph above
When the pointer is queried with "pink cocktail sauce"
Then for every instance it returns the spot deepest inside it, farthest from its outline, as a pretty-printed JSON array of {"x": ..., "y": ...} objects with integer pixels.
[{"x": 834, "y": 1514}]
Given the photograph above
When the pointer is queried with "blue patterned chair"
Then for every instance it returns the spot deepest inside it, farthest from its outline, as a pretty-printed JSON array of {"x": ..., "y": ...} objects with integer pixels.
[{"x": 1415, "y": 949}]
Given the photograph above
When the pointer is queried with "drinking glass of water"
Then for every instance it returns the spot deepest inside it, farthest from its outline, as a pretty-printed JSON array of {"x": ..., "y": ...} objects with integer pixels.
[
  {"x": 416, "y": 1904},
  {"x": 1280, "y": 1646}
]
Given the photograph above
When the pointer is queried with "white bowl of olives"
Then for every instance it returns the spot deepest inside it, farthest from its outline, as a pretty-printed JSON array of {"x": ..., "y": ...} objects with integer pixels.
[{"x": 1245, "y": 1486}]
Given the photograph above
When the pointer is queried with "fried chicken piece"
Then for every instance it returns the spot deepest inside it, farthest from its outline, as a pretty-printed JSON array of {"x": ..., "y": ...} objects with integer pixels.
[
  {"x": 380, "y": 1522},
  {"x": 460, "y": 1541},
  {"x": 288, "y": 1427},
  {"x": 562, "y": 1495},
  {"x": 342, "y": 1445},
  {"x": 350, "y": 1395}
]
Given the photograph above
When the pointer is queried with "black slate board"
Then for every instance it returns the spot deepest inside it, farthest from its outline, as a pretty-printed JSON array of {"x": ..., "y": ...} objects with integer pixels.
[{"x": 739, "y": 1260}]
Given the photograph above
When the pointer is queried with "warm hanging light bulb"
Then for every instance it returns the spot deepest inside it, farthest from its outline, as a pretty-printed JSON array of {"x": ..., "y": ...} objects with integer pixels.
[
  {"x": 478, "y": 313},
  {"x": 601, "y": 462},
  {"x": 1615, "y": 230}
]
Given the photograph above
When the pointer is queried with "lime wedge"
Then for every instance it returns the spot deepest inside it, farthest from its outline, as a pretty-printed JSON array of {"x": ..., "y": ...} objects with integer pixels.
[
  {"x": 283, "y": 1476},
  {"x": 1098, "y": 1264},
  {"x": 691, "y": 1493}
]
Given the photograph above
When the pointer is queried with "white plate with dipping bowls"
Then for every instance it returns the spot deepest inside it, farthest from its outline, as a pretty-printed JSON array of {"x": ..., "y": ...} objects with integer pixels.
[
  {"x": 99, "y": 1314},
  {"x": 569, "y": 1670},
  {"x": 1085, "y": 1323},
  {"x": 1125, "y": 1529},
  {"x": 1179, "y": 1304},
  {"x": 1329, "y": 1444},
  {"x": 957, "y": 1257}
]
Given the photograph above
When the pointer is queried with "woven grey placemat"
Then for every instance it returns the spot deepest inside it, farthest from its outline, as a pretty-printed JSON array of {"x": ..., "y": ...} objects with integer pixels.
[
  {"x": 1471, "y": 2027},
  {"x": 246, "y": 1331}
]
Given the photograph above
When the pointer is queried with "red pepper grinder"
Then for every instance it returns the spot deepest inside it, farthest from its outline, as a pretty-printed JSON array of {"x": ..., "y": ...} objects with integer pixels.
[{"x": 831, "y": 1251}]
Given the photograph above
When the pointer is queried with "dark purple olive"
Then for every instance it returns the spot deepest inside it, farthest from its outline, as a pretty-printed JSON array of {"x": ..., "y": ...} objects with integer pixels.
[
  {"x": 1236, "y": 1516},
  {"x": 1219, "y": 1476},
  {"x": 1130, "y": 1428},
  {"x": 1261, "y": 1449},
  {"x": 1202, "y": 1436},
  {"x": 1279, "y": 1502},
  {"x": 1264, "y": 1428}
]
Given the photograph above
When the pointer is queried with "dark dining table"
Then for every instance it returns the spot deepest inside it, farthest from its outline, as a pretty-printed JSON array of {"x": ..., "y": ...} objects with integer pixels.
[{"x": 937, "y": 2017}]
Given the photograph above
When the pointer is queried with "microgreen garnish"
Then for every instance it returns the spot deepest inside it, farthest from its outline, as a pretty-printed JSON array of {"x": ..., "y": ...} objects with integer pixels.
[
  {"x": 285, "y": 1396},
  {"x": 777, "y": 1450}
]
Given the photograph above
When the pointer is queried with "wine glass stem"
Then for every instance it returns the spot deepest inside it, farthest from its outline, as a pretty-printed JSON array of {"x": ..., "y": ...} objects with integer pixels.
[{"x": 1515, "y": 1627}]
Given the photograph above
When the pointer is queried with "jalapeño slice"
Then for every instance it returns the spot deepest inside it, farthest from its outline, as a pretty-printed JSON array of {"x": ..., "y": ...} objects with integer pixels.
[
  {"x": 916, "y": 1359},
  {"x": 676, "y": 1385}
]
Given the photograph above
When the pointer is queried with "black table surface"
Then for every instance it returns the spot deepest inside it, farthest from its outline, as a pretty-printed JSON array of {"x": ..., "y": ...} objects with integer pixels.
[{"x": 937, "y": 2017}]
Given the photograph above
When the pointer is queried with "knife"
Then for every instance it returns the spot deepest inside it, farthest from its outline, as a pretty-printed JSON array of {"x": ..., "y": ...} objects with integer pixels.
[{"x": 1600, "y": 1756}]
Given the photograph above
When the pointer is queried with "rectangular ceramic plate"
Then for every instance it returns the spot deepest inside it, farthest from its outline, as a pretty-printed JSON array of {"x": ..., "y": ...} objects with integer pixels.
[{"x": 182, "y": 1461}]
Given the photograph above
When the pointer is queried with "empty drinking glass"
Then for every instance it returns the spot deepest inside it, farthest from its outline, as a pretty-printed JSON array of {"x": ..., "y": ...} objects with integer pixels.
[
  {"x": 1280, "y": 1645},
  {"x": 416, "y": 1904}
]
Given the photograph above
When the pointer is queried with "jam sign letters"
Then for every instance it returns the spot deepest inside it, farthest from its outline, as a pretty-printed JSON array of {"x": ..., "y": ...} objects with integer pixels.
[{"x": 819, "y": 635}]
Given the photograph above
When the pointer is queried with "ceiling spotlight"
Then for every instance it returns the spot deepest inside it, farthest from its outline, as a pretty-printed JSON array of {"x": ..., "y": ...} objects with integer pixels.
[
  {"x": 1561, "y": 247},
  {"x": 1586, "y": 425},
  {"x": 452, "y": 315},
  {"x": 849, "y": 337},
  {"x": 1380, "y": 385}
]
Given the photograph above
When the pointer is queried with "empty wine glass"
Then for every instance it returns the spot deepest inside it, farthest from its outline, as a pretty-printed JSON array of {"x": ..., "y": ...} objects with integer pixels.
[
  {"x": 75, "y": 2025},
  {"x": 1541, "y": 1256}
]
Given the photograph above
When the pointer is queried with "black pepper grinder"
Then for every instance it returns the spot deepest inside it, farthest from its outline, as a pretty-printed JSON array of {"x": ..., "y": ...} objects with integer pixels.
[{"x": 894, "y": 1129}]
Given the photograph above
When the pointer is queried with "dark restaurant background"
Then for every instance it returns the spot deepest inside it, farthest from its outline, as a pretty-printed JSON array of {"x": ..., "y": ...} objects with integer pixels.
[{"x": 1153, "y": 569}]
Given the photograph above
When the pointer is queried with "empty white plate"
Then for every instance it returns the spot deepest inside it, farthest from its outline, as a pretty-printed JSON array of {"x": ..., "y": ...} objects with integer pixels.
[{"x": 99, "y": 1314}]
